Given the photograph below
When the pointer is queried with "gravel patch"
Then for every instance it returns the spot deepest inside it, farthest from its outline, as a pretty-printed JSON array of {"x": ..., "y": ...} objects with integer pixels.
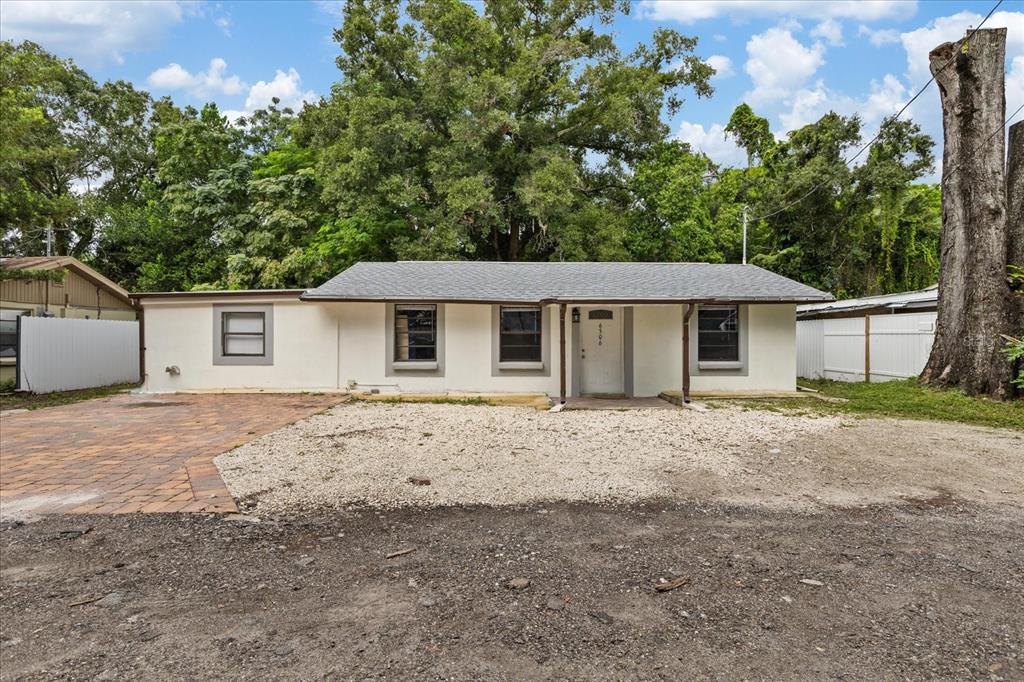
[{"x": 393, "y": 455}]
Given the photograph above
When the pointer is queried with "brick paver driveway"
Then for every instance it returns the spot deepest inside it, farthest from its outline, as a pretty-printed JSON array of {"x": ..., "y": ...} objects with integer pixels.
[{"x": 134, "y": 453}]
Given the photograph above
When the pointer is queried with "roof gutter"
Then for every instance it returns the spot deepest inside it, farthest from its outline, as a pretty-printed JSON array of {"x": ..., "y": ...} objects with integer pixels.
[{"x": 557, "y": 300}]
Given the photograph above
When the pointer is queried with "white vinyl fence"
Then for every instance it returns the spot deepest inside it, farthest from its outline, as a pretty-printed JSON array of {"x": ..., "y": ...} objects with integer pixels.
[
  {"x": 63, "y": 354},
  {"x": 833, "y": 348}
]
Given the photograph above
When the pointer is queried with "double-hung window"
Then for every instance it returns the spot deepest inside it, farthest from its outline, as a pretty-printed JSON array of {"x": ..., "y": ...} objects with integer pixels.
[
  {"x": 415, "y": 333},
  {"x": 243, "y": 334},
  {"x": 520, "y": 339},
  {"x": 718, "y": 334}
]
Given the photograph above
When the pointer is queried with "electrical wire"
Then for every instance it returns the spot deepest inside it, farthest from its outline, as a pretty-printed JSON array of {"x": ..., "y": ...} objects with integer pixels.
[
  {"x": 981, "y": 146},
  {"x": 893, "y": 118}
]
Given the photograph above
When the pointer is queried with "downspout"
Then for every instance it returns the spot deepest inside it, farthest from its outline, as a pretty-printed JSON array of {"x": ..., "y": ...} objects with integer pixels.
[
  {"x": 686, "y": 351},
  {"x": 141, "y": 314},
  {"x": 561, "y": 353}
]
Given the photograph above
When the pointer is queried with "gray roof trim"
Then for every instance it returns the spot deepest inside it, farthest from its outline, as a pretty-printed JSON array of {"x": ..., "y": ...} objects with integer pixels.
[{"x": 541, "y": 282}]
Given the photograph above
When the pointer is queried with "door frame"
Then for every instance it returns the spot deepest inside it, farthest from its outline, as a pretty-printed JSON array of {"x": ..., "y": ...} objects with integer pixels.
[{"x": 622, "y": 319}]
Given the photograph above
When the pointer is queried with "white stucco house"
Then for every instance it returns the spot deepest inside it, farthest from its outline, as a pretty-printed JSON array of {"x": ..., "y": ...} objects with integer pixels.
[{"x": 564, "y": 329}]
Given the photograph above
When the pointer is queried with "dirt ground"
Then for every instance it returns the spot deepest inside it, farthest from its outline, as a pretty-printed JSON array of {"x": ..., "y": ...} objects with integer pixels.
[
  {"x": 367, "y": 453},
  {"x": 922, "y": 589}
]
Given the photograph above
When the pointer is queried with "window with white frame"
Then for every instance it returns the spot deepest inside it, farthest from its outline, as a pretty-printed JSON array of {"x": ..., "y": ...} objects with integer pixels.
[
  {"x": 718, "y": 333},
  {"x": 520, "y": 334},
  {"x": 415, "y": 333},
  {"x": 243, "y": 334}
]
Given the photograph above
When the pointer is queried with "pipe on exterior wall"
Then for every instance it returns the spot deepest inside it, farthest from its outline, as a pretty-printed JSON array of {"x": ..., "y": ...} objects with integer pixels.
[
  {"x": 690, "y": 307},
  {"x": 141, "y": 314}
]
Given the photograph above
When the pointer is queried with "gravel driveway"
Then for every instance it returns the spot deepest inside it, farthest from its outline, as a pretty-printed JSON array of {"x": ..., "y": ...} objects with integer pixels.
[{"x": 366, "y": 454}]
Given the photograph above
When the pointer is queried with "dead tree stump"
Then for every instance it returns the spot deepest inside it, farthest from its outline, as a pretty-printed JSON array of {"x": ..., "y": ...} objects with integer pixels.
[{"x": 975, "y": 305}]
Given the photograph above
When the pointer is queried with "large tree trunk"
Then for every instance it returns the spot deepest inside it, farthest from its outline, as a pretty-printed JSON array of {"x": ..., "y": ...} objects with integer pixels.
[
  {"x": 1015, "y": 197},
  {"x": 975, "y": 303}
]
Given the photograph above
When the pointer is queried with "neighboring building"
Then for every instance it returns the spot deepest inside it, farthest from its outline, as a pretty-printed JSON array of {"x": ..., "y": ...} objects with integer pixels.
[
  {"x": 923, "y": 300},
  {"x": 58, "y": 286},
  {"x": 564, "y": 329},
  {"x": 898, "y": 328}
]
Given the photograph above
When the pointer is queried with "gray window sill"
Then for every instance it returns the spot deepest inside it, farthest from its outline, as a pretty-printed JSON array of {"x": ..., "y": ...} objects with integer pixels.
[
  {"x": 520, "y": 365},
  {"x": 414, "y": 365},
  {"x": 720, "y": 364}
]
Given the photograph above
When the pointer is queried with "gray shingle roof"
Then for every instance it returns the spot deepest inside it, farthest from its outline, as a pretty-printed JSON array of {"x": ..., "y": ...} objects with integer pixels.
[{"x": 500, "y": 282}]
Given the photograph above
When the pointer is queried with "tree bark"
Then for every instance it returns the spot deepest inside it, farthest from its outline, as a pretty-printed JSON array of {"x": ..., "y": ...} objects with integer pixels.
[
  {"x": 975, "y": 303},
  {"x": 1015, "y": 223},
  {"x": 1015, "y": 196}
]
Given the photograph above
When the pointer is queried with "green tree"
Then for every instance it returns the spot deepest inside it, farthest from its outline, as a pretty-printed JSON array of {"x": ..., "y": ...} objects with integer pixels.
[
  {"x": 503, "y": 134},
  {"x": 68, "y": 146}
]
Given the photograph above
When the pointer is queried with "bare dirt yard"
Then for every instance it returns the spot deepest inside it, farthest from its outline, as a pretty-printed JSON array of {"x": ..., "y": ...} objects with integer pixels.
[{"x": 799, "y": 548}]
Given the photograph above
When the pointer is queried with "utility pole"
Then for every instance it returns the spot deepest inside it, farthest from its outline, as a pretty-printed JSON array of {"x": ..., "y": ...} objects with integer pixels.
[
  {"x": 744, "y": 235},
  {"x": 49, "y": 239}
]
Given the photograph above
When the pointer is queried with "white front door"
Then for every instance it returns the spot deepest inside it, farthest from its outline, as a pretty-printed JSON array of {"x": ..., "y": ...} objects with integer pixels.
[{"x": 601, "y": 350}]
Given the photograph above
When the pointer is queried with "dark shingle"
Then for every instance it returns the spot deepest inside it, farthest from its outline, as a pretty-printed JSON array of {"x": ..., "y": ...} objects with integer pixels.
[{"x": 489, "y": 281}]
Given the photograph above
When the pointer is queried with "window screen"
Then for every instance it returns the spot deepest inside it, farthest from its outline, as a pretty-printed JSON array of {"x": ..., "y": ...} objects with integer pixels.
[
  {"x": 243, "y": 334},
  {"x": 718, "y": 338},
  {"x": 9, "y": 332},
  {"x": 415, "y": 332},
  {"x": 520, "y": 334}
]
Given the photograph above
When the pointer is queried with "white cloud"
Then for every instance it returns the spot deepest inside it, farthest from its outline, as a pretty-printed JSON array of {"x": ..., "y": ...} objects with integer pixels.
[
  {"x": 883, "y": 36},
  {"x": 285, "y": 86},
  {"x": 1015, "y": 86},
  {"x": 93, "y": 33},
  {"x": 722, "y": 66},
  {"x": 224, "y": 24},
  {"x": 807, "y": 105},
  {"x": 335, "y": 8},
  {"x": 713, "y": 142},
  {"x": 920, "y": 42},
  {"x": 778, "y": 63},
  {"x": 831, "y": 31},
  {"x": 693, "y": 11},
  {"x": 213, "y": 81}
]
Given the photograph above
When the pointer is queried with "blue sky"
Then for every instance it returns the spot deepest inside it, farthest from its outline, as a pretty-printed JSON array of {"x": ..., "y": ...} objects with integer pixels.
[{"x": 792, "y": 60}]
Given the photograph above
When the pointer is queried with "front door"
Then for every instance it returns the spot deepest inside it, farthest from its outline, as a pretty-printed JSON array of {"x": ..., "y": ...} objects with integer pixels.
[{"x": 601, "y": 351}]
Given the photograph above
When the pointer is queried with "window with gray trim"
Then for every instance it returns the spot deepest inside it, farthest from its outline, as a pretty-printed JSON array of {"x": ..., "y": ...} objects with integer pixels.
[
  {"x": 243, "y": 334},
  {"x": 520, "y": 334},
  {"x": 718, "y": 337},
  {"x": 415, "y": 332}
]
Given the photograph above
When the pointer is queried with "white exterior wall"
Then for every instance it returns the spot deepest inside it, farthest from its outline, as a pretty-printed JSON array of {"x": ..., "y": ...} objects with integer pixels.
[
  {"x": 467, "y": 354},
  {"x": 180, "y": 332},
  {"x": 328, "y": 346},
  {"x": 833, "y": 348},
  {"x": 658, "y": 349}
]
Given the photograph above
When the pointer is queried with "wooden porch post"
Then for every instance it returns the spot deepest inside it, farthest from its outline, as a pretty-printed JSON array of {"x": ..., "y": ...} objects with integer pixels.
[
  {"x": 686, "y": 352},
  {"x": 561, "y": 352}
]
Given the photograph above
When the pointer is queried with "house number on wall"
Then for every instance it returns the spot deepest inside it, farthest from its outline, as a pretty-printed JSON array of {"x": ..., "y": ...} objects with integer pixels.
[{"x": 600, "y": 334}]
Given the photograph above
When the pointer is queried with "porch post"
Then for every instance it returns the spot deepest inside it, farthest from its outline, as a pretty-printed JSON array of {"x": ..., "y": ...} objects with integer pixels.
[
  {"x": 686, "y": 352},
  {"x": 561, "y": 352}
]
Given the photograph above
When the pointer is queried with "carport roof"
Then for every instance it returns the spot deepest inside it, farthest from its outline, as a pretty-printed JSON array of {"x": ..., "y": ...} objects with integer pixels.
[{"x": 504, "y": 282}]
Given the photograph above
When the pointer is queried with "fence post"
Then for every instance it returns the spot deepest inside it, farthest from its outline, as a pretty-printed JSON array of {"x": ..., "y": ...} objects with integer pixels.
[{"x": 867, "y": 349}]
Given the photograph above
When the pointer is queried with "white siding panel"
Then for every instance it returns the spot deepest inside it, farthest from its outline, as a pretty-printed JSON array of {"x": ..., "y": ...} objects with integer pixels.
[
  {"x": 63, "y": 354},
  {"x": 810, "y": 349}
]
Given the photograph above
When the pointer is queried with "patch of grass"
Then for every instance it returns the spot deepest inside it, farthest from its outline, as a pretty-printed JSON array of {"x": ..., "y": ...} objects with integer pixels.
[
  {"x": 34, "y": 401},
  {"x": 902, "y": 400}
]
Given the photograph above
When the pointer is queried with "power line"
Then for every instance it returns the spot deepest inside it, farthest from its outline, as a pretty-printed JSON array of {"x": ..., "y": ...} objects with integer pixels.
[
  {"x": 981, "y": 146},
  {"x": 893, "y": 118}
]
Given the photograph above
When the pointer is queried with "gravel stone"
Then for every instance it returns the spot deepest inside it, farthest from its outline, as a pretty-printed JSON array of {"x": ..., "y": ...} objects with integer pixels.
[{"x": 368, "y": 453}]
